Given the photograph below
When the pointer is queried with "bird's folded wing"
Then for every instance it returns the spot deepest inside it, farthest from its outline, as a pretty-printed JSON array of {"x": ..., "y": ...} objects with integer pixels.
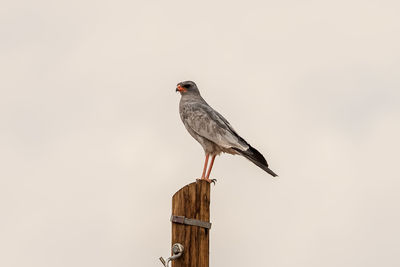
[{"x": 209, "y": 124}]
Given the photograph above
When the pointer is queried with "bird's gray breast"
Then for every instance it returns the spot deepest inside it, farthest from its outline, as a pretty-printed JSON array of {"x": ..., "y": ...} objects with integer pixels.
[{"x": 190, "y": 117}]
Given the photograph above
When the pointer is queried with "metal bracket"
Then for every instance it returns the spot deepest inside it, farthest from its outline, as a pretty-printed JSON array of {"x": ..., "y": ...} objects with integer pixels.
[
  {"x": 177, "y": 250},
  {"x": 187, "y": 221}
]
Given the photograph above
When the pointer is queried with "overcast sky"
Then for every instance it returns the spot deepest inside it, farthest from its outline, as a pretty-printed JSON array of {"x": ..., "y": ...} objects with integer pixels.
[{"x": 92, "y": 147}]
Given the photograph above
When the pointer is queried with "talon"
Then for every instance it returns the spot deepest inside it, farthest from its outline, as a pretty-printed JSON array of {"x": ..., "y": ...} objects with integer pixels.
[{"x": 213, "y": 181}]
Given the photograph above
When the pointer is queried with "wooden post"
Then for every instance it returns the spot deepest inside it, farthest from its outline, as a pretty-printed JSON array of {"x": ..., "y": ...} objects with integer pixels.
[{"x": 192, "y": 202}]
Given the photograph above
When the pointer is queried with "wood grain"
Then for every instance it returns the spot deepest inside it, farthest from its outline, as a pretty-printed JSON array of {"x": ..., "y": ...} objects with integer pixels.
[{"x": 192, "y": 201}]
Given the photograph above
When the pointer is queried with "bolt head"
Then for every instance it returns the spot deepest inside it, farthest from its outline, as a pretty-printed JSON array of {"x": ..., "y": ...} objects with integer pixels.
[{"x": 177, "y": 248}]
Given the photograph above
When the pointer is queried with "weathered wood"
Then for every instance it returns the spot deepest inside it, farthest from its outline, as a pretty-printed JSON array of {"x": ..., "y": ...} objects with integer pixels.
[{"x": 192, "y": 201}]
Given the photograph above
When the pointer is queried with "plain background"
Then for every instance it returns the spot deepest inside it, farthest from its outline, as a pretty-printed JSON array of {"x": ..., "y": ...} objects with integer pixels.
[{"x": 92, "y": 147}]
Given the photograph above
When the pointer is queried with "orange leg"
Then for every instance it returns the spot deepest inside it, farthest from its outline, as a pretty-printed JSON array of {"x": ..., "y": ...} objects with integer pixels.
[
  {"x": 205, "y": 166},
  {"x": 211, "y": 165}
]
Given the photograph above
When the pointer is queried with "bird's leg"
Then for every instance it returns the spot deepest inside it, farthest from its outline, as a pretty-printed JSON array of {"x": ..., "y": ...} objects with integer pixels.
[
  {"x": 207, "y": 178},
  {"x": 205, "y": 166},
  {"x": 211, "y": 165}
]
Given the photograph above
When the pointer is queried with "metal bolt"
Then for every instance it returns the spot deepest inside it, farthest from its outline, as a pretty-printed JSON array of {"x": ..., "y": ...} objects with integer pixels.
[{"x": 177, "y": 250}]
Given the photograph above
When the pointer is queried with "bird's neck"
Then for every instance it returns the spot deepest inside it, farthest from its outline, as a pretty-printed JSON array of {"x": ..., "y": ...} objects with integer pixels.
[{"x": 191, "y": 97}]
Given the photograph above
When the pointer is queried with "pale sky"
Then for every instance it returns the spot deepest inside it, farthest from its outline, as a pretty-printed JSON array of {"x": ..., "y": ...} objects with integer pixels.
[{"x": 92, "y": 147}]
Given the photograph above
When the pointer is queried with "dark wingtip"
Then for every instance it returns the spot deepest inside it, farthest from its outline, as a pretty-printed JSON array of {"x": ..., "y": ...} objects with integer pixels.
[
  {"x": 270, "y": 172},
  {"x": 257, "y": 158}
]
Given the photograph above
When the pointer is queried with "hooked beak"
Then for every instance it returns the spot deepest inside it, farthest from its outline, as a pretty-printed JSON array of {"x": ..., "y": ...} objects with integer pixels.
[{"x": 179, "y": 88}]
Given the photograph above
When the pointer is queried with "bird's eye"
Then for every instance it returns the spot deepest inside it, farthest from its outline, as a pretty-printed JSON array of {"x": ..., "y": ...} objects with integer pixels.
[{"x": 186, "y": 85}]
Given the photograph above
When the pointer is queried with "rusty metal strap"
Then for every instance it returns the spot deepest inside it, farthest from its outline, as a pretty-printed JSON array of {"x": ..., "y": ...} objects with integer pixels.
[{"x": 187, "y": 221}]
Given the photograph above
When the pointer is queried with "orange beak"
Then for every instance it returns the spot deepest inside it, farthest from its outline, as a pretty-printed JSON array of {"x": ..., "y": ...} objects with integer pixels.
[{"x": 180, "y": 88}]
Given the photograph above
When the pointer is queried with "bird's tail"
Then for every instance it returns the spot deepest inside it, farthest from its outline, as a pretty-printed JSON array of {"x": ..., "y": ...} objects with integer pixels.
[{"x": 257, "y": 158}]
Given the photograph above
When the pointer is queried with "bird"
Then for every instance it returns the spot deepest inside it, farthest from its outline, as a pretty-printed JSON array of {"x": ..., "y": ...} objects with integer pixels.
[{"x": 214, "y": 133}]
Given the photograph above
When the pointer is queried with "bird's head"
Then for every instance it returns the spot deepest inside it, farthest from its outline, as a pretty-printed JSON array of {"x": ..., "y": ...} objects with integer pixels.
[{"x": 187, "y": 88}]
